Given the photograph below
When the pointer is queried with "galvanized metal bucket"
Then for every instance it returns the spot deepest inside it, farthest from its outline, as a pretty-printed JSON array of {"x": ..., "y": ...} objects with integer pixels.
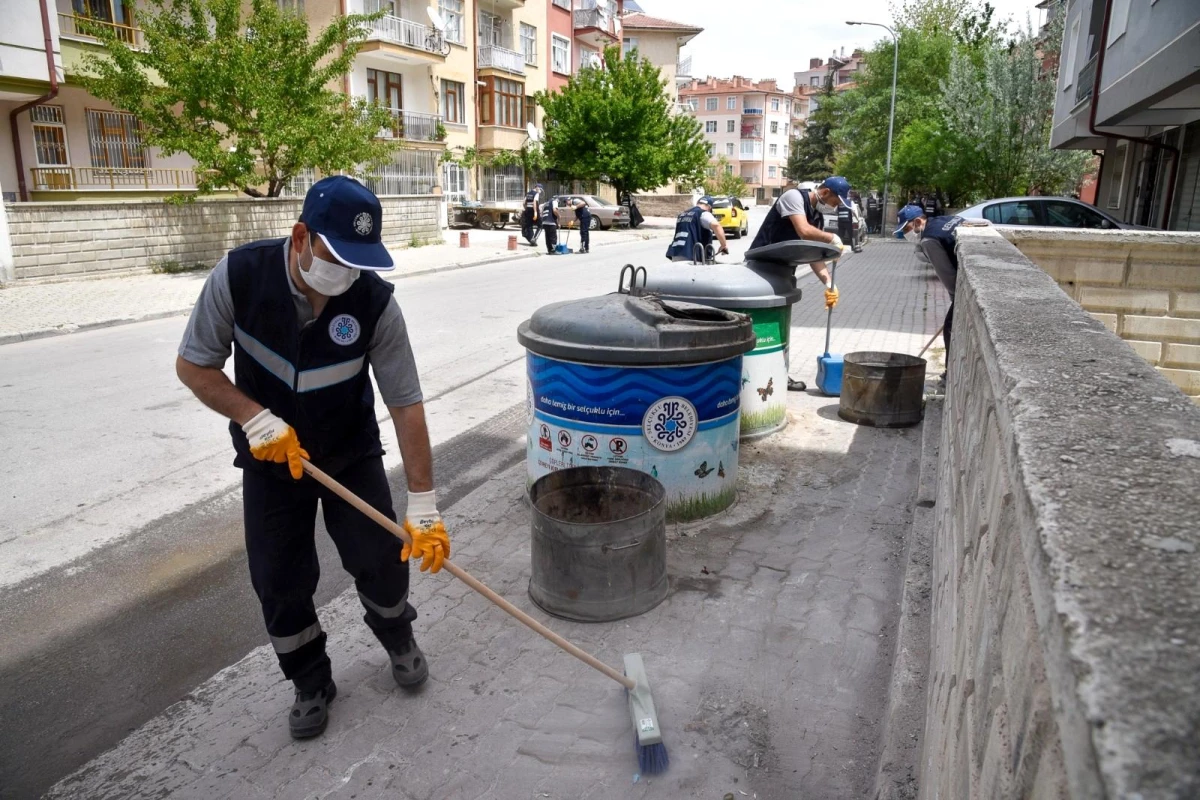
[
  {"x": 599, "y": 546},
  {"x": 883, "y": 390}
]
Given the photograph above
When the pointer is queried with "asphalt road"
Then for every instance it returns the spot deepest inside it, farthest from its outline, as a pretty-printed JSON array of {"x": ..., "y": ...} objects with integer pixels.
[{"x": 123, "y": 581}]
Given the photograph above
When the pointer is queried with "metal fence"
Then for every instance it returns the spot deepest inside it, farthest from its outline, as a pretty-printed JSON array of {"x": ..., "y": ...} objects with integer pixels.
[
  {"x": 502, "y": 185},
  {"x": 406, "y": 32},
  {"x": 77, "y": 178},
  {"x": 80, "y": 25},
  {"x": 501, "y": 58},
  {"x": 414, "y": 126},
  {"x": 413, "y": 172}
]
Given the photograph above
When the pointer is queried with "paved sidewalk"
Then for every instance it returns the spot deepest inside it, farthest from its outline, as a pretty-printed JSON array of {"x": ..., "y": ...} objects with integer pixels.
[
  {"x": 45, "y": 309},
  {"x": 769, "y": 660}
]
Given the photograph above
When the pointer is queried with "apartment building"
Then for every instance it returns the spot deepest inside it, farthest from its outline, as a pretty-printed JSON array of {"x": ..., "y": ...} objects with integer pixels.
[
  {"x": 749, "y": 124},
  {"x": 456, "y": 75},
  {"x": 661, "y": 41},
  {"x": 1146, "y": 113}
]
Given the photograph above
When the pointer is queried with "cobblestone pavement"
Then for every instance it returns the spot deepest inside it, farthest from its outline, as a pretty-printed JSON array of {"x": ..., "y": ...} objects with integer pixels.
[
  {"x": 30, "y": 311},
  {"x": 769, "y": 660}
]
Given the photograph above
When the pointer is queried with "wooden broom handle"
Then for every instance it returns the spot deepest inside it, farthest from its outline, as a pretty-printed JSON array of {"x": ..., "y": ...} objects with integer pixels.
[
  {"x": 930, "y": 342},
  {"x": 469, "y": 579}
]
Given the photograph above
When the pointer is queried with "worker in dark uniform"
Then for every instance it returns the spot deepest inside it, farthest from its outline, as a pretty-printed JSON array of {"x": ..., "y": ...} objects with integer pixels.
[
  {"x": 531, "y": 214},
  {"x": 583, "y": 216},
  {"x": 798, "y": 214},
  {"x": 549, "y": 219},
  {"x": 308, "y": 315},
  {"x": 694, "y": 232},
  {"x": 935, "y": 238},
  {"x": 874, "y": 214}
]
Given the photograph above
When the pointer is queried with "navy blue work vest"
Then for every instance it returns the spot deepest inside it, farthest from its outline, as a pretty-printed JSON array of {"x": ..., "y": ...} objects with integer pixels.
[
  {"x": 531, "y": 198},
  {"x": 549, "y": 215},
  {"x": 776, "y": 228},
  {"x": 317, "y": 379},
  {"x": 688, "y": 231},
  {"x": 943, "y": 230}
]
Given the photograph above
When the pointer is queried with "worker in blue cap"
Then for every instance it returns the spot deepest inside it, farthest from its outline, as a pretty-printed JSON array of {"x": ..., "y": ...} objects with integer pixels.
[
  {"x": 306, "y": 317},
  {"x": 799, "y": 214},
  {"x": 531, "y": 214},
  {"x": 935, "y": 239},
  {"x": 694, "y": 232}
]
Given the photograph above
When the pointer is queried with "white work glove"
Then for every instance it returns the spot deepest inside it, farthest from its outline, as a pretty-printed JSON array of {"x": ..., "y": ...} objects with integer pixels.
[
  {"x": 430, "y": 542},
  {"x": 837, "y": 242},
  {"x": 272, "y": 439}
]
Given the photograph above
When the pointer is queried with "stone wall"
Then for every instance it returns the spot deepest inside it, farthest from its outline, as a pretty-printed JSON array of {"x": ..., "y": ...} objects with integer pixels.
[
  {"x": 1065, "y": 635},
  {"x": 663, "y": 205},
  {"x": 69, "y": 240},
  {"x": 1143, "y": 285}
]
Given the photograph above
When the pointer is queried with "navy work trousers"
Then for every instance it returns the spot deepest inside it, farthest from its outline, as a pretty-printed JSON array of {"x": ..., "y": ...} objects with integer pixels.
[{"x": 280, "y": 518}]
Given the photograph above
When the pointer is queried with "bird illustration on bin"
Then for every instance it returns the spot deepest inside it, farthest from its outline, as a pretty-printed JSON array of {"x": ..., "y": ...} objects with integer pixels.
[{"x": 721, "y": 469}]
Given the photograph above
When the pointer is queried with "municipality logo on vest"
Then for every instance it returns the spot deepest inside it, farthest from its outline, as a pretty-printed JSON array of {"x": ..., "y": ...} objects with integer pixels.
[{"x": 344, "y": 329}]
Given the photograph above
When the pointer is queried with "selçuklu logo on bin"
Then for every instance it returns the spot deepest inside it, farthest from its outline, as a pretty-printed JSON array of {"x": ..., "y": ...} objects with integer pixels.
[{"x": 669, "y": 424}]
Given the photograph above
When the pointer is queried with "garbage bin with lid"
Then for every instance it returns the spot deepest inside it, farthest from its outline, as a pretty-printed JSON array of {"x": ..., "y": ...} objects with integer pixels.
[
  {"x": 764, "y": 287},
  {"x": 634, "y": 381}
]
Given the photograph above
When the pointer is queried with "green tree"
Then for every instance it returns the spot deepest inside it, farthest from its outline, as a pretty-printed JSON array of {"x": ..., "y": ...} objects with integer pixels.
[
  {"x": 1004, "y": 110},
  {"x": 811, "y": 156},
  {"x": 247, "y": 97},
  {"x": 930, "y": 33},
  {"x": 615, "y": 124},
  {"x": 726, "y": 182}
]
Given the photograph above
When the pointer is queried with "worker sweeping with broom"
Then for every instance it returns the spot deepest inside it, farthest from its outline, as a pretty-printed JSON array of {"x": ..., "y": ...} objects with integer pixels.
[{"x": 308, "y": 314}]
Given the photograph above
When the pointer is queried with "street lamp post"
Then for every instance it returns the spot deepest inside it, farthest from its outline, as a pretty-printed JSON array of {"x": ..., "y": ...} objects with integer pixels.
[{"x": 892, "y": 116}]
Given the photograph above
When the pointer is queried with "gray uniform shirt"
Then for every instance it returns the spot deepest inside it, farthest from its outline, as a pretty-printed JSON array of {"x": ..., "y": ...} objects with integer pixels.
[{"x": 208, "y": 338}]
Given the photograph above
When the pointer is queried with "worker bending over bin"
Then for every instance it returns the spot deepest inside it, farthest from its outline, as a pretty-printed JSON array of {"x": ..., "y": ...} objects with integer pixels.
[{"x": 798, "y": 214}]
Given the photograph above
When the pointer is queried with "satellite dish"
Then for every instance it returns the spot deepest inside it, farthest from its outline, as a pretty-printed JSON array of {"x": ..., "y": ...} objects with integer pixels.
[
  {"x": 534, "y": 133},
  {"x": 435, "y": 16}
]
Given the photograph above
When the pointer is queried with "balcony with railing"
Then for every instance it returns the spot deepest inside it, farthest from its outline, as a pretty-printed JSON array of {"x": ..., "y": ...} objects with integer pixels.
[
  {"x": 421, "y": 43},
  {"x": 75, "y": 179},
  {"x": 1083, "y": 83},
  {"x": 414, "y": 126},
  {"x": 596, "y": 24},
  {"x": 501, "y": 58},
  {"x": 79, "y": 26},
  {"x": 752, "y": 132},
  {"x": 752, "y": 112}
]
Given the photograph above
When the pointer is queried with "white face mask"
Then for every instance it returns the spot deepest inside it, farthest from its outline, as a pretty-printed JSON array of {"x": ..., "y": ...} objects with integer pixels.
[
  {"x": 823, "y": 208},
  {"x": 912, "y": 236},
  {"x": 326, "y": 277}
]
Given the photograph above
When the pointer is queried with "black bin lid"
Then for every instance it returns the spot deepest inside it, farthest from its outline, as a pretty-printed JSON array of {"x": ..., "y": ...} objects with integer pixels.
[{"x": 636, "y": 330}]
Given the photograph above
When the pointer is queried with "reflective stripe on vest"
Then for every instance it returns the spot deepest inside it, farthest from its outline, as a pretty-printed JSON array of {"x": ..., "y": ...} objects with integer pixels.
[{"x": 309, "y": 380}]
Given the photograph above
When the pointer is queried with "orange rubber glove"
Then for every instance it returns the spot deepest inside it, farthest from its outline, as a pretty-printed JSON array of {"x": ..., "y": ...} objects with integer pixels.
[
  {"x": 831, "y": 297},
  {"x": 430, "y": 542},
  {"x": 272, "y": 439}
]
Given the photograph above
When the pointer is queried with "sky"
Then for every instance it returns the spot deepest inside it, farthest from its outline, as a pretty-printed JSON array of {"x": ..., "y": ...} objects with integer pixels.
[{"x": 776, "y": 38}]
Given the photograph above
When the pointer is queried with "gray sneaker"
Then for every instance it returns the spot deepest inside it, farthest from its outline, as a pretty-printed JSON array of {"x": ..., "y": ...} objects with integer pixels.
[
  {"x": 409, "y": 665},
  {"x": 310, "y": 712}
]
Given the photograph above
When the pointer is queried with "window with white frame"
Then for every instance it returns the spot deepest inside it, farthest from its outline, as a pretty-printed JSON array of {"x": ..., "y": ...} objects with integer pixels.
[
  {"x": 560, "y": 54},
  {"x": 712, "y": 148},
  {"x": 296, "y": 6},
  {"x": 731, "y": 103},
  {"x": 815, "y": 80},
  {"x": 774, "y": 150},
  {"x": 729, "y": 169},
  {"x": 1119, "y": 20},
  {"x": 710, "y": 104},
  {"x": 493, "y": 31},
  {"x": 731, "y": 126},
  {"x": 452, "y": 13},
  {"x": 772, "y": 172},
  {"x": 529, "y": 44},
  {"x": 454, "y": 105},
  {"x": 774, "y": 127},
  {"x": 729, "y": 147},
  {"x": 628, "y": 43},
  {"x": 115, "y": 140},
  {"x": 1116, "y": 184},
  {"x": 1068, "y": 50},
  {"x": 710, "y": 126},
  {"x": 785, "y": 129},
  {"x": 751, "y": 148},
  {"x": 693, "y": 104},
  {"x": 774, "y": 103},
  {"x": 50, "y": 136}
]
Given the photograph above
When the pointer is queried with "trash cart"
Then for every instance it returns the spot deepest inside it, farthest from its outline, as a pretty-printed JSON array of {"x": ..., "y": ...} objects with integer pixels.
[{"x": 640, "y": 382}]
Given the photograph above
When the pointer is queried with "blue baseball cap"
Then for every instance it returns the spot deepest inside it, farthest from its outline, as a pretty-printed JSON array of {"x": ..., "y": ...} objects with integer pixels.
[
  {"x": 839, "y": 186},
  {"x": 705, "y": 200},
  {"x": 907, "y": 215},
  {"x": 349, "y": 219}
]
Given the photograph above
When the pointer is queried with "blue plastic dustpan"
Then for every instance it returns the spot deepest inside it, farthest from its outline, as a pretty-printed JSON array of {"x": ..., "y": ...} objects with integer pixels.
[{"x": 829, "y": 365}]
